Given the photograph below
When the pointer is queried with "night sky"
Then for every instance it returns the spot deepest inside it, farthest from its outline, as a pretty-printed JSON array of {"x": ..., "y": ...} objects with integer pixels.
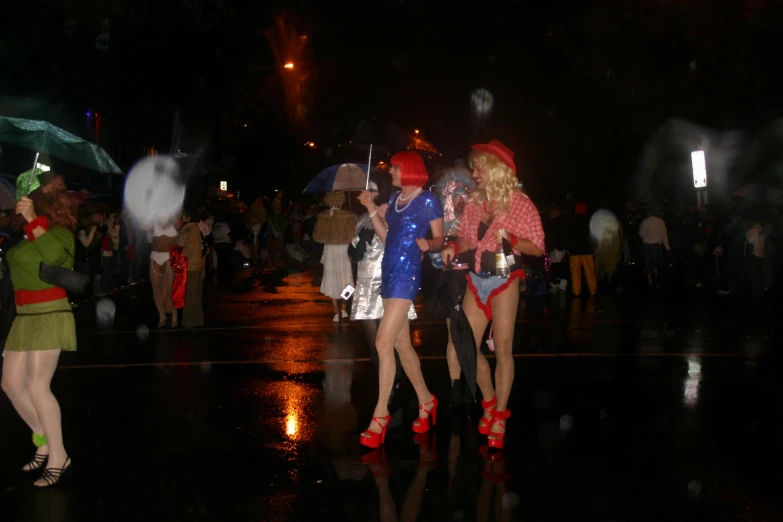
[{"x": 578, "y": 86}]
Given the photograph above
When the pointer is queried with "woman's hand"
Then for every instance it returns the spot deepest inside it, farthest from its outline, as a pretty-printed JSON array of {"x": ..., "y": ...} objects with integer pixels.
[
  {"x": 26, "y": 209},
  {"x": 424, "y": 244},
  {"x": 366, "y": 199},
  {"x": 448, "y": 254}
]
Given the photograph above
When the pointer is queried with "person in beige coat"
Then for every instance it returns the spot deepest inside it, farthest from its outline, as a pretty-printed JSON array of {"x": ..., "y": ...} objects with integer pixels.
[
  {"x": 189, "y": 238},
  {"x": 334, "y": 228}
]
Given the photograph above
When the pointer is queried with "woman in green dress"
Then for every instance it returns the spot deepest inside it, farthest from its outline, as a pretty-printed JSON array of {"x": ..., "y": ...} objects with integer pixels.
[{"x": 44, "y": 325}]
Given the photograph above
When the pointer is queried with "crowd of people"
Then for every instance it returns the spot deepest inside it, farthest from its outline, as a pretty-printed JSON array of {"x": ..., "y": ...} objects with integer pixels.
[{"x": 469, "y": 236}]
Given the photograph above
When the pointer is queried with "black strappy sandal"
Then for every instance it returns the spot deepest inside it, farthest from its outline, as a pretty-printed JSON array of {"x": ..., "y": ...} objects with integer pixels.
[
  {"x": 35, "y": 464},
  {"x": 53, "y": 475}
]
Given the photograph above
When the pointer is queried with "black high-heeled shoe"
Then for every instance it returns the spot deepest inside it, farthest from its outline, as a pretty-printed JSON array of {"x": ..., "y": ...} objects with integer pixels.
[
  {"x": 395, "y": 396},
  {"x": 54, "y": 475},
  {"x": 35, "y": 464}
]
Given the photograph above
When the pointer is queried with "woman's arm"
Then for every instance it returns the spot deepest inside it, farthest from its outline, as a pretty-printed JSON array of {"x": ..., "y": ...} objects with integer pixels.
[
  {"x": 378, "y": 223},
  {"x": 528, "y": 247},
  {"x": 86, "y": 239},
  {"x": 435, "y": 244}
]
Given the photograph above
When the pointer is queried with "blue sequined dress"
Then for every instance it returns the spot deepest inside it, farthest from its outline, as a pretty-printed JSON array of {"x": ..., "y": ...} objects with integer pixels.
[{"x": 401, "y": 269}]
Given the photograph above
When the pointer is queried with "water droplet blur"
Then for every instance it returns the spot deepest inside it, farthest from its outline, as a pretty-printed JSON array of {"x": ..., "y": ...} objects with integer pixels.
[
  {"x": 459, "y": 515},
  {"x": 694, "y": 488},
  {"x": 543, "y": 400},
  {"x": 104, "y": 313},
  {"x": 154, "y": 190},
  {"x": 510, "y": 500},
  {"x": 566, "y": 423},
  {"x": 142, "y": 332},
  {"x": 603, "y": 223}
]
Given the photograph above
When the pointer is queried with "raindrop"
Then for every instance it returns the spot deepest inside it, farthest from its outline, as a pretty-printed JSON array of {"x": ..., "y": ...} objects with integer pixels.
[
  {"x": 154, "y": 189},
  {"x": 543, "y": 400},
  {"x": 510, "y": 500},
  {"x": 104, "y": 313},
  {"x": 694, "y": 488},
  {"x": 482, "y": 101},
  {"x": 142, "y": 332},
  {"x": 566, "y": 423}
]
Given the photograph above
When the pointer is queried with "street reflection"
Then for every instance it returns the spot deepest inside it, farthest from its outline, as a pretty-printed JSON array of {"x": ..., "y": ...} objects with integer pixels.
[
  {"x": 690, "y": 392},
  {"x": 472, "y": 478}
]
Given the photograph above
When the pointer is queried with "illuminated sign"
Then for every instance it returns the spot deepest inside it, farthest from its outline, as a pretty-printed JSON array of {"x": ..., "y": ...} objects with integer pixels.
[
  {"x": 224, "y": 185},
  {"x": 699, "y": 169}
]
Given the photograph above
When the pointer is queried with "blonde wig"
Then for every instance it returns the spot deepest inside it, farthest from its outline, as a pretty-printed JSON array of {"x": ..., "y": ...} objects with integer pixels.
[
  {"x": 502, "y": 182},
  {"x": 334, "y": 198}
]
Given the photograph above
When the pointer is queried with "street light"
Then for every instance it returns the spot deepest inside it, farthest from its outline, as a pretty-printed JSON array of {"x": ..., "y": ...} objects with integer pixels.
[
  {"x": 699, "y": 164},
  {"x": 289, "y": 65},
  {"x": 416, "y": 131}
]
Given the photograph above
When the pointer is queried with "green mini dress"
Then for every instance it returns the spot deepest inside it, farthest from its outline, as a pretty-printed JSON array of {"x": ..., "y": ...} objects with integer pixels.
[{"x": 49, "y": 325}]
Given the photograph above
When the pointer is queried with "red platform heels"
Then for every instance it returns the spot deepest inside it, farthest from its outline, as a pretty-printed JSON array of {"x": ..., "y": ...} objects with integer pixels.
[{"x": 422, "y": 424}]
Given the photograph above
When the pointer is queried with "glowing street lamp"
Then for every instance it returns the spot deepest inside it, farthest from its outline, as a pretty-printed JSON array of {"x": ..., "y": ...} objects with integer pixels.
[
  {"x": 699, "y": 164},
  {"x": 289, "y": 65},
  {"x": 699, "y": 169},
  {"x": 416, "y": 131}
]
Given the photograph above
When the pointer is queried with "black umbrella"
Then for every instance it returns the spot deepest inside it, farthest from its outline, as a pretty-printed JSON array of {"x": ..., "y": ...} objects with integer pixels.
[{"x": 446, "y": 302}]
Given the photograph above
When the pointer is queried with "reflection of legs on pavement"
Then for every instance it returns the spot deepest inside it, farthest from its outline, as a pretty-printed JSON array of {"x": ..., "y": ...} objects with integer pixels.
[
  {"x": 412, "y": 504},
  {"x": 454, "y": 370},
  {"x": 495, "y": 478}
]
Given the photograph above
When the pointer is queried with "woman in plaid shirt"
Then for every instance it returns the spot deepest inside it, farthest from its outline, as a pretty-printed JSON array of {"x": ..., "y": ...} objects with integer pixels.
[{"x": 496, "y": 204}]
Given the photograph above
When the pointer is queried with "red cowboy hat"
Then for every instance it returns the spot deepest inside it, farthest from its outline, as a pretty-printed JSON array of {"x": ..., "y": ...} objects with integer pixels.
[{"x": 497, "y": 148}]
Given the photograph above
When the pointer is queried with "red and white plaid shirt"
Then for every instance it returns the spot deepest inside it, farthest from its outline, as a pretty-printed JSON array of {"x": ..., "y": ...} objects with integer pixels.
[{"x": 521, "y": 220}]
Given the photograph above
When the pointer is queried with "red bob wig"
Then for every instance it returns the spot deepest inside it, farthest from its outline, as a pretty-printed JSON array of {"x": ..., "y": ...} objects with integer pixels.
[{"x": 413, "y": 170}]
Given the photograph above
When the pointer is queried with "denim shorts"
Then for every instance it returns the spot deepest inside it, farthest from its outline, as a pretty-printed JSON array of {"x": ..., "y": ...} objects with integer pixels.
[{"x": 484, "y": 287}]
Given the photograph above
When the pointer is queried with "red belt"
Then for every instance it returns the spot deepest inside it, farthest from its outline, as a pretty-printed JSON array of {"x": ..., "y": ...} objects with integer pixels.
[{"x": 28, "y": 297}]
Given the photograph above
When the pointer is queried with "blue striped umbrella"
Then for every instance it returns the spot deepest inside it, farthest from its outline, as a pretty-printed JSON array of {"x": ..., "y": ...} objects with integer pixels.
[{"x": 348, "y": 176}]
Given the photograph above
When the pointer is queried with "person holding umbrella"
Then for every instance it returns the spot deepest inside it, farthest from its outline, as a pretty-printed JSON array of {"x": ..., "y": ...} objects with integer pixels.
[
  {"x": 44, "y": 325},
  {"x": 411, "y": 214},
  {"x": 497, "y": 212}
]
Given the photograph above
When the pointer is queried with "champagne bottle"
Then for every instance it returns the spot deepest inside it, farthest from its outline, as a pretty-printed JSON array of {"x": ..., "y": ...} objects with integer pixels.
[{"x": 502, "y": 269}]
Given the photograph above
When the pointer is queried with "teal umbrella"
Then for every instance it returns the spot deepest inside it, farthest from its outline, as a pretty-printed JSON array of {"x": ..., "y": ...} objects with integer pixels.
[{"x": 44, "y": 137}]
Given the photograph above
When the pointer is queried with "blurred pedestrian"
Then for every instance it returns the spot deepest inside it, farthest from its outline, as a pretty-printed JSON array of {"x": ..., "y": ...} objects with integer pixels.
[{"x": 335, "y": 229}]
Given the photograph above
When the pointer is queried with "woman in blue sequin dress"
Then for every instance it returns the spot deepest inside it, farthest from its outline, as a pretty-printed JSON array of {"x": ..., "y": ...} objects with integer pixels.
[{"x": 411, "y": 215}]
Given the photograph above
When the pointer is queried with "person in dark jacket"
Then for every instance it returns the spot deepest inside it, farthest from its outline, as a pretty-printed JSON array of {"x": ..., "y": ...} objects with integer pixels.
[{"x": 581, "y": 250}]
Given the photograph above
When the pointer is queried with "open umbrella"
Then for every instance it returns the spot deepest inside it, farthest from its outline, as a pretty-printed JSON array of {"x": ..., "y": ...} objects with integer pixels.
[
  {"x": 7, "y": 194},
  {"x": 348, "y": 176},
  {"x": 44, "y": 137}
]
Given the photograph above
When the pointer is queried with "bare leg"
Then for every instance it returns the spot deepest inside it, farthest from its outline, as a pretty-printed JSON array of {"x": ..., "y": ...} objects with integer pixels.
[
  {"x": 15, "y": 385},
  {"x": 157, "y": 282},
  {"x": 392, "y": 331},
  {"x": 504, "y": 310},
  {"x": 408, "y": 356},
  {"x": 451, "y": 356},
  {"x": 40, "y": 371},
  {"x": 335, "y": 307},
  {"x": 388, "y": 330},
  {"x": 478, "y": 322},
  {"x": 371, "y": 332}
]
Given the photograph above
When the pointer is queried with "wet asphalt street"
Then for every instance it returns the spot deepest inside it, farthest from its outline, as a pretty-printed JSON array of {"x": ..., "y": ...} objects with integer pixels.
[{"x": 625, "y": 408}]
